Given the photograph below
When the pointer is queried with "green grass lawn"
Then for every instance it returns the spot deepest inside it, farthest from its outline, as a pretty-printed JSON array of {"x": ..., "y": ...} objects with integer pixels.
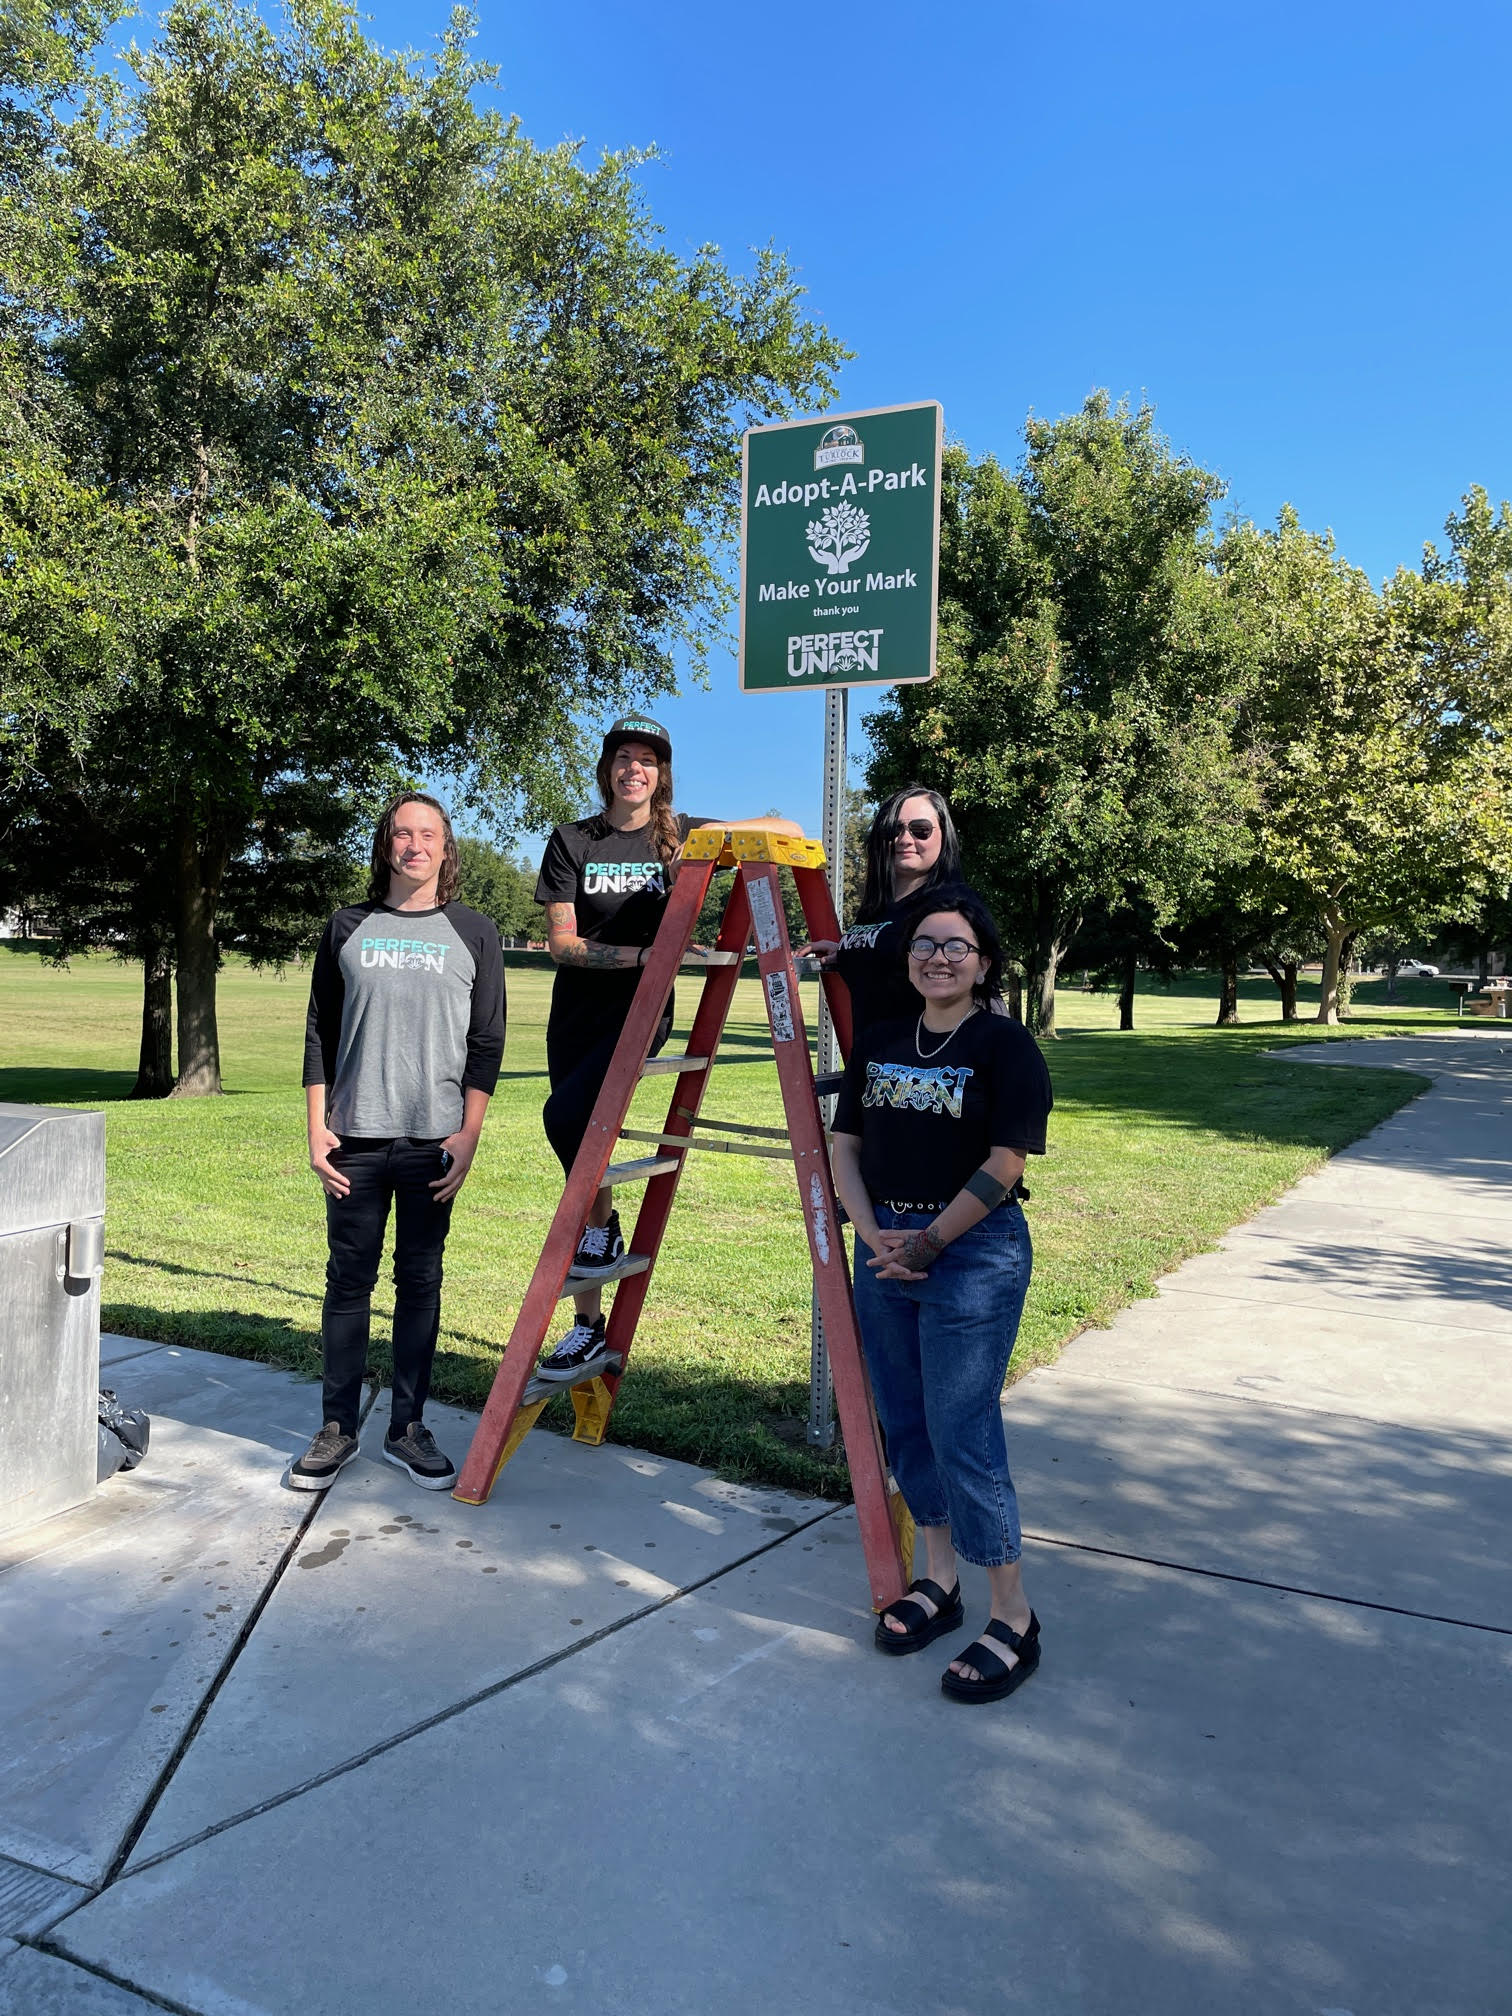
[{"x": 1161, "y": 1139}]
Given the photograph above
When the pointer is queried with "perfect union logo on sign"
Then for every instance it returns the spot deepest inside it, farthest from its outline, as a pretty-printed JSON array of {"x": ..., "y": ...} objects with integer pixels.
[{"x": 840, "y": 537}]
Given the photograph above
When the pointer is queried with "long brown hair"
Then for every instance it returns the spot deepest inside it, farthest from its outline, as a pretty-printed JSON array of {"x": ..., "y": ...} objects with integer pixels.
[
  {"x": 383, "y": 844},
  {"x": 877, "y": 895},
  {"x": 663, "y": 818}
]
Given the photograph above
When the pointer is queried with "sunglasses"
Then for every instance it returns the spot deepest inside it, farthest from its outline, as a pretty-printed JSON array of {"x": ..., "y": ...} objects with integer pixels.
[
  {"x": 918, "y": 829},
  {"x": 953, "y": 949}
]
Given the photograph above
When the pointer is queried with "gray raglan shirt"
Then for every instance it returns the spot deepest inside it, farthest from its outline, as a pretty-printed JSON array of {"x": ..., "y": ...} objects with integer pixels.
[{"x": 406, "y": 1013}]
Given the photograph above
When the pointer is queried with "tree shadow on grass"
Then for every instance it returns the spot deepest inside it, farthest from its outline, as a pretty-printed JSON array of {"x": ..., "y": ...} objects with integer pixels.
[
  {"x": 1222, "y": 1081},
  {"x": 735, "y": 1426},
  {"x": 63, "y": 1085},
  {"x": 79, "y": 1085}
]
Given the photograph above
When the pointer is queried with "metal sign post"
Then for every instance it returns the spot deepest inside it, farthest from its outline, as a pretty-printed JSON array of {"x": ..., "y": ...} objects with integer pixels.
[
  {"x": 839, "y": 578},
  {"x": 821, "y": 1422}
]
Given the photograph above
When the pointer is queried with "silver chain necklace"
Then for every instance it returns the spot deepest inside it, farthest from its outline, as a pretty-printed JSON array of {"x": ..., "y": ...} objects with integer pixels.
[{"x": 924, "y": 1054}]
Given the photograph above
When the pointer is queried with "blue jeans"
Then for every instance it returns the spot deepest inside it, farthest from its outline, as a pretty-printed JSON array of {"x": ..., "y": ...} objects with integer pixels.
[{"x": 938, "y": 1352}]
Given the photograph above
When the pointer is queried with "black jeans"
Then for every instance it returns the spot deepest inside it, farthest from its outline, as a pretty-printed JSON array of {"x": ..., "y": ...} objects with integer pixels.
[
  {"x": 576, "y": 1060},
  {"x": 383, "y": 1173}
]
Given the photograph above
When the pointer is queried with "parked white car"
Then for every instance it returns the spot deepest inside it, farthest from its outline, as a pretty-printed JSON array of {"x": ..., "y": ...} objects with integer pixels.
[{"x": 1418, "y": 969}]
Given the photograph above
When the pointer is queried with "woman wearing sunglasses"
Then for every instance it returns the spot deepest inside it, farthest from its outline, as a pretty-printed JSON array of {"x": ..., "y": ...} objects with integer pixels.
[
  {"x": 911, "y": 847},
  {"x": 936, "y": 1116}
]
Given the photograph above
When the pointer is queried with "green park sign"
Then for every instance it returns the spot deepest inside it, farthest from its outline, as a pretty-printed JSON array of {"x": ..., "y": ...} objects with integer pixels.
[{"x": 840, "y": 550}]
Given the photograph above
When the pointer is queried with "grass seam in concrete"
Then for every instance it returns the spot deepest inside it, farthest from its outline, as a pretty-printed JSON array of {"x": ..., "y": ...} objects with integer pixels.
[
  {"x": 456, "y": 1708},
  {"x": 148, "y": 1995},
  {"x": 238, "y": 1645},
  {"x": 1260, "y": 1582}
]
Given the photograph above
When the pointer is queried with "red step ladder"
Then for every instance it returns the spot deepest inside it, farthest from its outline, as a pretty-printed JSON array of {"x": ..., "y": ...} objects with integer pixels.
[{"x": 754, "y": 909}]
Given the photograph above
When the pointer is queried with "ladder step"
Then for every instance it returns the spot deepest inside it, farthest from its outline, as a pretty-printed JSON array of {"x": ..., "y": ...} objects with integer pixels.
[
  {"x": 713, "y": 959},
  {"x": 661, "y": 1067},
  {"x": 706, "y": 1147},
  {"x": 637, "y": 1172},
  {"x": 633, "y": 1263},
  {"x": 547, "y": 1389},
  {"x": 732, "y": 1126}
]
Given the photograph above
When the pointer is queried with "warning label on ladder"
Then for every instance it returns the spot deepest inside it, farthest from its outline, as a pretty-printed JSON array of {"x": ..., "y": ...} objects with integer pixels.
[
  {"x": 780, "y": 1007},
  {"x": 763, "y": 916}
]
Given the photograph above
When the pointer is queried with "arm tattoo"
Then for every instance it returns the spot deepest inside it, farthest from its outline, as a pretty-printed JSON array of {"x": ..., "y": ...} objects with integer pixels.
[
  {"x": 561, "y": 918},
  {"x": 920, "y": 1249}
]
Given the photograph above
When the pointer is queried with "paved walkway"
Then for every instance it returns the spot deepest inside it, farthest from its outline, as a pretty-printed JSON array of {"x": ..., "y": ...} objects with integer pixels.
[{"x": 617, "y": 1741}]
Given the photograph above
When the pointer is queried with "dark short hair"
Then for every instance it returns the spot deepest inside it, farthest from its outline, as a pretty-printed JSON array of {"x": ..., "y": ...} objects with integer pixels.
[
  {"x": 877, "y": 894},
  {"x": 383, "y": 844},
  {"x": 973, "y": 907}
]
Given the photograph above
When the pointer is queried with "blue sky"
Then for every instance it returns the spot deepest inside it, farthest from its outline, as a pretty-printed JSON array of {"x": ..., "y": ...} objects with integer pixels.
[{"x": 1288, "y": 226}]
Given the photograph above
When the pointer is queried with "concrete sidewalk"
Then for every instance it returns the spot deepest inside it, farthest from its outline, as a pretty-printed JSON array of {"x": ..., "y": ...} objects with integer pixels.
[{"x": 618, "y": 1741}]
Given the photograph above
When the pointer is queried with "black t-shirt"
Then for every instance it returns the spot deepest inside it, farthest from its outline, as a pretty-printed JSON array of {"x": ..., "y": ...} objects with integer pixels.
[
  {"x": 927, "y": 1123},
  {"x": 871, "y": 962},
  {"x": 617, "y": 886}
]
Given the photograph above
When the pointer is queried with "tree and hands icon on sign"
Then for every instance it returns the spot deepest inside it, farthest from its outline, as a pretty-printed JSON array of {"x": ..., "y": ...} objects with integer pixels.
[{"x": 839, "y": 537}]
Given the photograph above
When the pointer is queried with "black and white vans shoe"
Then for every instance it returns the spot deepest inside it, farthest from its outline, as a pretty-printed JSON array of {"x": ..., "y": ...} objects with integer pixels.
[
  {"x": 416, "y": 1451},
  {"x": 578, "y": 1356},
  {"x": 331, "y": 1451},
  {"x": 599, "y": 1251}
]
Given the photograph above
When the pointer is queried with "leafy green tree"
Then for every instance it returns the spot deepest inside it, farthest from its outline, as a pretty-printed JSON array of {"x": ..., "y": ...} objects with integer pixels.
[
  {"x": 501, "y": 888},
  {"x": 87, "y": 861},
  {"x": 1380, "y": 719},
  {"x": 1080, "y": 724},
  {"x": 374, "y": 436}
]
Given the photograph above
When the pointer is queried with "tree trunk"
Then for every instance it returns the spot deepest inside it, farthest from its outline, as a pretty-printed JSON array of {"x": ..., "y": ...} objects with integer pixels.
[
  {"x": 1126, "y": 995},
  {"x": 1013, "y": 984},
  {"x": 1228, "y": 994},
  {"x": 1338, "y": 933},
  {"x": 201, "y": 864},
  {"x": 1039, "y": 982},
  {"x": 1484, "y": 963},
  {"x": 154, "y": 1078},
  {"x": 1286, "y": 980}
]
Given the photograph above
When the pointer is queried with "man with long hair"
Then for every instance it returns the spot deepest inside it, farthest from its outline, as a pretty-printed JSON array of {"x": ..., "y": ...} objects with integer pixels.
[{"x": 403, "y": 1044}]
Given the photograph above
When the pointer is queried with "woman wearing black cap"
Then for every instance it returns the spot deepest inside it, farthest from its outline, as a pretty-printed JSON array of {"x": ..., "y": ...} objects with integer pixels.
[{"x": 604, "y": 882}]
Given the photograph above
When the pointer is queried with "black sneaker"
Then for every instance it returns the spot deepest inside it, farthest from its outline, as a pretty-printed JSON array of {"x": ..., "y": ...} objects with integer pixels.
[
  {"x": 316, "y": 1469},
  {"x": 599, "y": 1251},
  {"x": 415, "y": 1450},
  {"x": 580, "y": 1354}
]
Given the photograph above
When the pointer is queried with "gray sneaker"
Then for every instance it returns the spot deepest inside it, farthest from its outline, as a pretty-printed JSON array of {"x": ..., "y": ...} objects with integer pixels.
[
  {"x": 416, "y": 1451},
  {"x": 316, "y": 1469}
]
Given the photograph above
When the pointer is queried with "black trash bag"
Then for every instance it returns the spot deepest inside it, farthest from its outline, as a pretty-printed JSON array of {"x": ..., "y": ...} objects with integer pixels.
[{"x": 124, "y": 1435}]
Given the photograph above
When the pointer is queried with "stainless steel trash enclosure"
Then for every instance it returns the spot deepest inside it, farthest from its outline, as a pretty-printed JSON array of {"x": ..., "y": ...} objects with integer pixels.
[{"x": 52, "y": 1237}]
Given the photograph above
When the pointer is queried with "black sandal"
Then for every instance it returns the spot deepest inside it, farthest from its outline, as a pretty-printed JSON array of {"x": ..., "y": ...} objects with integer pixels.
[
  {"x": 916, "y": 1635},
  {"x": 998, "y": 1677}
]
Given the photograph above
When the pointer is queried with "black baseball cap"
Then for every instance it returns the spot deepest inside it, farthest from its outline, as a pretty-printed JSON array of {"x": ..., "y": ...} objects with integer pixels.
[{"x": 639, "y": 728}]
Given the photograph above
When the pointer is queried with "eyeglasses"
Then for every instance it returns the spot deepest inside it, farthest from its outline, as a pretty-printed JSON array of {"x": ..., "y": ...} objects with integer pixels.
[
  {"x": 953, "y": 949},
  {"x": 918, "y": 829}
]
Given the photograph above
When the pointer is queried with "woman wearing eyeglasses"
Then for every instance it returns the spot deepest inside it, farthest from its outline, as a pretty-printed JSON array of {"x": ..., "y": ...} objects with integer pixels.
[
  {"x": 936, "y": 1116},
  {"x": 911, "y": 847}
]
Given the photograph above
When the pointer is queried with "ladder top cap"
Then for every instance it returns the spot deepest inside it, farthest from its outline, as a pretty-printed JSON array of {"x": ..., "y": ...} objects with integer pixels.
[{"x": 729, "y": 845}]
